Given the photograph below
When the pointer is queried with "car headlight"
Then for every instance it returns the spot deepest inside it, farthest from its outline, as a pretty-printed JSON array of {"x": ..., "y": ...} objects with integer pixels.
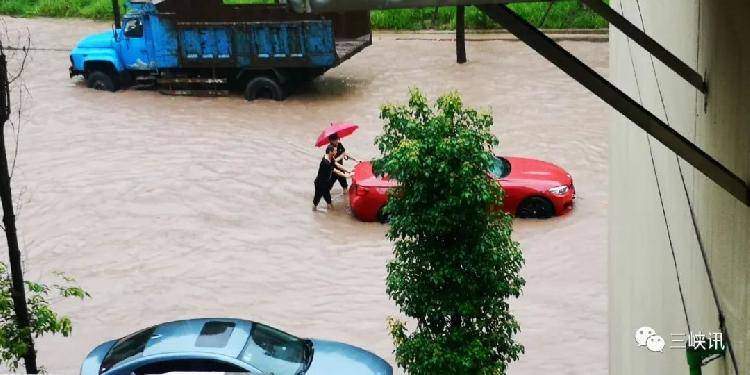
[{"x": 559, "y": 190}]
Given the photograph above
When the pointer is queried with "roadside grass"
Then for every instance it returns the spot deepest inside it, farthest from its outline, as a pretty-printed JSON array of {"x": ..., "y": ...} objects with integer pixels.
[
  {"x": 564, "y": 14},
  {"x": 95, "y": 9}
]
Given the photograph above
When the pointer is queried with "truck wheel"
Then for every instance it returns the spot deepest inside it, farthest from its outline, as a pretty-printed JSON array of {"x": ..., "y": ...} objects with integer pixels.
[
  {"x": 98, "y": 80},
  {"x": 264, "y": 88}
]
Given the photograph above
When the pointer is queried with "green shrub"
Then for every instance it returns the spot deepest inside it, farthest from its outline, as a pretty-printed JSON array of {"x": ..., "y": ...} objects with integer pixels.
[
  {"x": 13, "y": 7},
  {"x": 97, "y": 9},
  {"x": 57, "y": 8}
]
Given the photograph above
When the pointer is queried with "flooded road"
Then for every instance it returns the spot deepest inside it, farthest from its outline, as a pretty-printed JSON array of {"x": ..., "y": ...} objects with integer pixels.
[{"x": 167, "y": 208}]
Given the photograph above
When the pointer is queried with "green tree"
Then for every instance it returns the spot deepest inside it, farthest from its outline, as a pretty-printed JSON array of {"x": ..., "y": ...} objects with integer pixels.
[
  {"x": 455, "y": 264},
  {"x": 43, "y": 320}
]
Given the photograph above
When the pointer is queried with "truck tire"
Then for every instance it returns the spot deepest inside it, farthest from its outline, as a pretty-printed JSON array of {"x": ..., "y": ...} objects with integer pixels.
[
  {"x": 99, "y": 80},
  {"x": 264, "y": 88}
]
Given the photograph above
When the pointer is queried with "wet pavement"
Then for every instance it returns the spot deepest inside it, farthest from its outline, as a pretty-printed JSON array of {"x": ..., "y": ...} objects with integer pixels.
[{"x": 167, "y": 207}]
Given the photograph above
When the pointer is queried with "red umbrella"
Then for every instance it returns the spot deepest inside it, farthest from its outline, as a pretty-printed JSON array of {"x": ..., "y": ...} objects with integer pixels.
[{"x": 342, "y": 130}]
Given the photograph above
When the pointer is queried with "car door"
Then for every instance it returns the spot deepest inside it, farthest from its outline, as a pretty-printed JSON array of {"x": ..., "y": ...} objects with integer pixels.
[
  {"x": 514, "y": 192},
  {"x": 135, "y": 46}
]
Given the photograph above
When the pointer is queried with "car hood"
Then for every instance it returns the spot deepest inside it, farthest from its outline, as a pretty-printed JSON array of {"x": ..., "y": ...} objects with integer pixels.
[
  {"x": 94, "y": 360},
  {"x": 333, "y": 358},
  {"x": 537, "y": 170},
  {"x": 101, "y": 40}
]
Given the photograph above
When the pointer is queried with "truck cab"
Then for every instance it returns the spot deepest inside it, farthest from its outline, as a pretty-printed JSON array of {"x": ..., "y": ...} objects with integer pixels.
[
  {"x": 258, "y": 49},
  {"x": 110, "y": 59},
  {"x": 135, "y": 47}
]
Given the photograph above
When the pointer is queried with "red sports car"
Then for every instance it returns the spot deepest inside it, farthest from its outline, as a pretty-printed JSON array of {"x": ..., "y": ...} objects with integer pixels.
[{"x": 533, "y": 189}]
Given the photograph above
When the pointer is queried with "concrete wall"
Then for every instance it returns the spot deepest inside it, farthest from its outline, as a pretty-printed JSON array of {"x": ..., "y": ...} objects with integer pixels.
[{"x": 713, "y": 37}]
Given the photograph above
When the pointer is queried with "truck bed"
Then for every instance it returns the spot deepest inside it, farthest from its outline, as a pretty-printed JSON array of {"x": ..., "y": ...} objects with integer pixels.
[
  {"x": 348, "y": 47},
  {"x": 293, "y": 44}
]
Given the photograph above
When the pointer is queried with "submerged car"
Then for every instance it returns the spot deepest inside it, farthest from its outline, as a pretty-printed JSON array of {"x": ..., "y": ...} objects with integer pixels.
[
  {"x": 533, "y": 189},
  {"x": 227, "y": 345}
]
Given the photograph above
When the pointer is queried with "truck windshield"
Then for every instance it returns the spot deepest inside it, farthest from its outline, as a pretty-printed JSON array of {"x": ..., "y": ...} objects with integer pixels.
[
  {"x": 126, "y": 348},
  {"x": 275, "y": 352},
  {"x": 133, "y": 28}
]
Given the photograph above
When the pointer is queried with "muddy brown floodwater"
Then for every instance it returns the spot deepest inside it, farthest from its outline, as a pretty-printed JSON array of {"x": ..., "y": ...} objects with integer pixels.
[{"x": 167, "y": 208}]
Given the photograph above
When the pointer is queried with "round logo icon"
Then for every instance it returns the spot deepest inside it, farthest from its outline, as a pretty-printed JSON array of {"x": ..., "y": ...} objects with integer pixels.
[{"x": 642, "y": 334}]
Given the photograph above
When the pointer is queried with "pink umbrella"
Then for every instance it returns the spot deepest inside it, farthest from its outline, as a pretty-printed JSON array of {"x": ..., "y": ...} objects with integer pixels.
[{"x": 342, "y": 130}]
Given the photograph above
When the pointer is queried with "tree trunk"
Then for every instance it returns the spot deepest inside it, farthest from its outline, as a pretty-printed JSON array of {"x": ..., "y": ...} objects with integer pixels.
[
  {"x": 18, "y": 290},
  {"x": 460, "y": 34}
]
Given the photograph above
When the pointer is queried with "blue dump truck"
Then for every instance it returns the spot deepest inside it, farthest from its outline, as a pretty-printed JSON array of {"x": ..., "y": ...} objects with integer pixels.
[{"x": 207, "y": 47}]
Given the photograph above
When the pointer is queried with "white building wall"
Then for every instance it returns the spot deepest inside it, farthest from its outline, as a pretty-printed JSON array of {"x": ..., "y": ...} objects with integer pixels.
[{"x": 714, "y": 38}]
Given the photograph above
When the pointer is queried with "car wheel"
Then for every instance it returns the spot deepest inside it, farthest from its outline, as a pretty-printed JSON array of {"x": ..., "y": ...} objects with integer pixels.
[
  {"x": 535, "y": 207},
  {"x": 99, "y": 80},
  {"x": 264, "y": 88},
  {"x": 383, "y": 217}
]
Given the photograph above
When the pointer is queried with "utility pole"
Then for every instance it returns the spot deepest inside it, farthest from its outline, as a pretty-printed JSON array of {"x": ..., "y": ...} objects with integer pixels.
[
  {"x": 460, "y": 34},
  {"x": 116, "y": 13},
  {"x": 18, "y": 289}
]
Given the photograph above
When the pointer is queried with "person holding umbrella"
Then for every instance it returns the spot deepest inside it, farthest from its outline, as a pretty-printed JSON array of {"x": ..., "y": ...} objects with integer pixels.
[
  {"x": 327, "y": 172},
  {"x": 332, "y": 136},
  {"x": 341, "y": 155}
]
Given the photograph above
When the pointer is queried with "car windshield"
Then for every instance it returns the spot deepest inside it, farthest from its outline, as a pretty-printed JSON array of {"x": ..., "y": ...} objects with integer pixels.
[
  {"x": 126, "y": 348},
  {"x": 276, "y": 352},
  {"x": 500, "y": 167}
]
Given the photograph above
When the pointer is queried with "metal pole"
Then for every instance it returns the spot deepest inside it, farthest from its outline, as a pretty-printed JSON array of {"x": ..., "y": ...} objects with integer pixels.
[
  {"x": 460, "y": 34},
  {"x": 640, "y": 116},
  {"x": 18, "y": 288},
  {"x": 648, "y": 43},
  {"x": 116, "y": 13}
]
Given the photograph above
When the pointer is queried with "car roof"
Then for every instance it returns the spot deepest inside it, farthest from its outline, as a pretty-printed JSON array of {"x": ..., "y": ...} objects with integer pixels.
[{"x": 220, "y": 336}]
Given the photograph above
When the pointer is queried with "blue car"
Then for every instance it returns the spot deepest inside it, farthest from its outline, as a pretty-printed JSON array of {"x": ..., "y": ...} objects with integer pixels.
[{"x": 227, "y": 345}]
